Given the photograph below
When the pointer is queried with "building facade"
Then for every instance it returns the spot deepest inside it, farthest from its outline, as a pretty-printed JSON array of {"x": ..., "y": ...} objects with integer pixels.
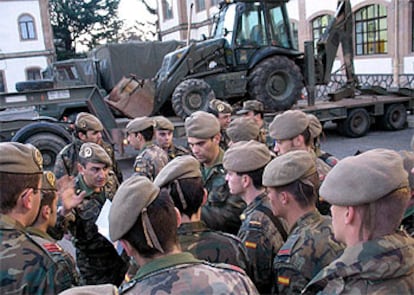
[
  {"x": 26, "y": 41},
  {"x": 383, "y": 29}
]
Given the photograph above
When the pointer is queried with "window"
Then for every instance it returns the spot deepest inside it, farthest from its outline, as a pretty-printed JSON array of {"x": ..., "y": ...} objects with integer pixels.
[
  {"x": 167, "y": 9},
  {"x": 27, "y": 27},
  {"x": 295, "y": 33},
  {"x": 2, "y": 82},
  {"x": 371, "y": 30},
  {"x": 200, "y": 5},
  {"x": 215, "y": 2},
  {"x": 33, "y": 74},
  {"x": 319, "y": 25}
]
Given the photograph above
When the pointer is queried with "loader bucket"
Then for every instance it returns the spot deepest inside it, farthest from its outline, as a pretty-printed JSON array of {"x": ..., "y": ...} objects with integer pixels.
[{"x": 132, "y": 97}]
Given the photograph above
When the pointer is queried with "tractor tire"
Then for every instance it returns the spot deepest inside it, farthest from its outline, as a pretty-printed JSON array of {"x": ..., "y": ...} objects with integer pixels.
[
  {"x": 191, "y": 95},
  {"x": 49, "y": 146},
  {"x": 395, "y": 117},
  {"x": 357, "y": 123},
  {"x": 277, "y": 82}
]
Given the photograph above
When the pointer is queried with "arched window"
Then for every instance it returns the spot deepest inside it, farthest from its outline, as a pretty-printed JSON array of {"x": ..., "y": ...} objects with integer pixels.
[
  {"x": 371, "y": 30},
  {"x": 319, "y": 24},
  {"x": 167, "y": 9},
  {"x": 27, "y": 27},
  {"x": 33, "y": 74}
]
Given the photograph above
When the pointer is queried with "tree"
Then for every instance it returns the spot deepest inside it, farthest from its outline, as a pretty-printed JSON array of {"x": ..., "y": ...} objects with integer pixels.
[
  {"x": 156, "y": 24},
  {"x": 85, "y": 22}
]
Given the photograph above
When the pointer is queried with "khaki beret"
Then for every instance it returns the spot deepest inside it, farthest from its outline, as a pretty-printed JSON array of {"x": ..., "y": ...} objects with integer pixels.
[
  {"x": 219, "y": 106},
  {"x": 49, "y": 181},
  {"x": 315, "y": 126},
  {"x": 408, "y": 162},
  {"x": 251, "y": 105},
  {"x": 288, "y": 125},
  {"x": 20, "y": 158},
  {"x": 94, "y": 153},
  {"x": 202, "y": 125},
  {"x": 132, "y": 196},
  {"x": 289, "y": 167},
  {"x": 86, "y": 121},
  {"x": 364, "y": 178},
  {"x": 162, "y": 123},
  {"x": 92, "y": 290},
  {"x": 246, "y": 156},
  {"x": 243, "y": 129},
  {"x": 139, "y": 124},
  {"x": 181, "y": 167}
]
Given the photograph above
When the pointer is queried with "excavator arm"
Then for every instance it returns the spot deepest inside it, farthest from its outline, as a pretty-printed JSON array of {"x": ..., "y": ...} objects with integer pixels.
[{"x": 339, "y": 31}]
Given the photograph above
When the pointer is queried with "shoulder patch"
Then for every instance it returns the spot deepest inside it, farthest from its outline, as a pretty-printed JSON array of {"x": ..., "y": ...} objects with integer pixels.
[
  {"x": 255, "y": 223},
  {"x": 127, "y": 286},
  {"x": 250, "y": 245},
  {"x": 283, "y": 280},
  {"x": 288, "y": 245},
  {"x": 52, "y": 247},
  {"x": 228, "y": 266}
]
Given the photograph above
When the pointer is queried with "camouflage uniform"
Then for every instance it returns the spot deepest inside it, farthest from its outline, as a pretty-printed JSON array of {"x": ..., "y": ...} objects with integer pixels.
[
  {"x": 222, "y": 210},
  {"x": 212, "y": 246},
  {"x": 408, "y": 221},
  {"x": 262, "y": 240},
  {"x": 224, "y": 140},
  {"x": 97, "y": 258},
  {"x": 176, "y": 151},
  {"x": 150, "y": 161},
  {"x": 66, "y": 266},
  {"x": 68, "y": 157},
  {"x": 264, "y": 136},
  {"x": 381, "y": 266},
  {"x": 309, "y": 247},
  {"x": 25, "y": 266},
  {"x": 183, "y": 274}
]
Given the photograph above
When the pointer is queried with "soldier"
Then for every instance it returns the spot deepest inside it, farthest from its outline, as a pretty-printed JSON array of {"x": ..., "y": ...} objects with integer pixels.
[
  {"x": 97, "y": 258},
  {"x": 408, "y": 219},
  {"x": 261, "y": 232},
  {"x": 66, "y": 266},
  {"x": 151, "y": 158},
  {"x": 222, "y": 110},
  {"x": 144, "y": 219},
  {"x": 88, "y": 128},
  {"x": 164, "y": 131},
  {"x": 254, "y": 109},
  {"x": 243, "y": 129},
  {"x": 25, "y": 266},
  {"x": 291, "y": 180},
  {"x": 222, "y": 210},
  {"x": 182, "y": 178},
  {"x": 369, "y": 194}
]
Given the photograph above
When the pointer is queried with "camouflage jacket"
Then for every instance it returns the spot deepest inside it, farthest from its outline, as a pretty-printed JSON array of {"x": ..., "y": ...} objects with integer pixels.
[
  {"x": 183, "y": 274},
  {"x": 408, "y": 220},
  {"x": 68, "y": 158},
  {"x": 66, "y": 265},
  {"x": 150, "y": 161},
  {"x": 224, "y": 140},
  {"x": 309, "y": 248},
  {"x": 262, "y": 240},
  {"x": 97, "y": 258},
  {"x": 222, "y": 210},
  {"x": 25, "y": 266},
  {"x": 212, "y": 246},
  {"x": 264, "y": 136},
  {"x": 380, "y": 266},
  {"x": 176, "y": 151}
]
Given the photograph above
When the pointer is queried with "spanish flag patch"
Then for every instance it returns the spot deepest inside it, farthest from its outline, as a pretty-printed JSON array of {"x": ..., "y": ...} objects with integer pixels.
[
  {"x": 283, "y": 280},
  {"x": 250, "y": 245}
]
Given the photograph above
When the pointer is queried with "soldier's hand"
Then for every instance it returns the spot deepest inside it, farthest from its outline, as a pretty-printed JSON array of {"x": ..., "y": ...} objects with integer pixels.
[{"x": 67, "y": 194}]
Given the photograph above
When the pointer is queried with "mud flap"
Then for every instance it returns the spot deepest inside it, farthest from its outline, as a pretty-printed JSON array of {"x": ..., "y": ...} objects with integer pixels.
[{"x": 132, "y": 97}]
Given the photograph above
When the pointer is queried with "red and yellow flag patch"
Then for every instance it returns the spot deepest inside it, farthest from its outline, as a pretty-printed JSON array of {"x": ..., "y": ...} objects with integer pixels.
[
  {"x": 250, "y": 245},
  {"x": 283, "y": 280}
]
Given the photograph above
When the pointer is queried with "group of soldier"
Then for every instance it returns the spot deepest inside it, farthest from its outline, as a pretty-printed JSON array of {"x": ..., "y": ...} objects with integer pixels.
[{"x": 246, "y": 207}]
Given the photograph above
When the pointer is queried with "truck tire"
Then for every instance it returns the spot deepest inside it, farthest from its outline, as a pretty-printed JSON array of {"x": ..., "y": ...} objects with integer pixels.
[
  {"x": 277, "y": 82},
  {"x": 49, "y": 145},
  {"x": 191, "y": 95},
  {"x": 34, "y": 85},
  {"x": 395, "y": 117},
  {"x": 356, "y": 124}
]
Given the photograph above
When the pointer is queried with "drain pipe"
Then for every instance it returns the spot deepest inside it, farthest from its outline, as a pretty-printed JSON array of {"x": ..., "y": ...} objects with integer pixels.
[{"x": 396, "y": 61}]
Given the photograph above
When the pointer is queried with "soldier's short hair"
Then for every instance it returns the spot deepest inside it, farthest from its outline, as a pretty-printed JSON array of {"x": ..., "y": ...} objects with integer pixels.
[
  {"x": 304, "y": 193},
  {"x": 161, "y": 214},
  {"x": 193, "y": 193},
  {"x": 148, "y": 133},
  {"x": 256, "y": 176}
]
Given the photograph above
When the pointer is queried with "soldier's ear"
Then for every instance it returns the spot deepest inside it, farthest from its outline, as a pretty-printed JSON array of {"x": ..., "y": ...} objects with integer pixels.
[
  {"x": 127, "y": 246},
  {"x": 26, "y": 198},
  {"x": 178, "y": 216}
]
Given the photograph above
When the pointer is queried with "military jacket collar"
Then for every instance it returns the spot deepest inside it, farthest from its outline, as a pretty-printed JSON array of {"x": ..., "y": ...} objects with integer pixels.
[
  {"x": 308, "y": 218},
  {"x": 260, "y": 199},
  {"x": 216, "y": 167},
  {"x": 191, "y": 227},
  {"x": 165, "y": 262},
  {"x": 37, "y": 232},
  {"x": 7, "y": 222}
]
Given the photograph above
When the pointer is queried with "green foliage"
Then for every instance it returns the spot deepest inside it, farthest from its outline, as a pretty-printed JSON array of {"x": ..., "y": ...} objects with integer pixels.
[{"x": 85, "y": 22}]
